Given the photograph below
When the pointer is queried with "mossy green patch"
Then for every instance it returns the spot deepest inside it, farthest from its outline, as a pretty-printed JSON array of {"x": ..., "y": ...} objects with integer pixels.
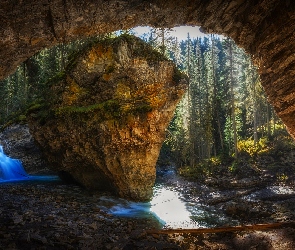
[
  {"x": 141, "y": 109},
  {"x": 35, "y": 107},
  {"x": 39, "y": 110},
  {"x": 57, "y": 78},
  {"x": 107, "y": 110}
]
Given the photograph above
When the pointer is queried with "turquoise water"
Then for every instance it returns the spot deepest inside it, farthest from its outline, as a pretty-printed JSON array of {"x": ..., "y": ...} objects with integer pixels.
[
  {"x": 170, "y": 205},
  {"x": 11, "y": 169}
]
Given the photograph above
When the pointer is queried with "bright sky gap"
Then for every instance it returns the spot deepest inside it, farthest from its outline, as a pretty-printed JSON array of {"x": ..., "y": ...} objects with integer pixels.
[{"x": 181, "y": 32}]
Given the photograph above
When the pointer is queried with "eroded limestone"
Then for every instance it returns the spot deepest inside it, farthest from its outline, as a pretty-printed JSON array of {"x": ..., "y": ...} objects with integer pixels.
[{"x": 104, "y": 122}]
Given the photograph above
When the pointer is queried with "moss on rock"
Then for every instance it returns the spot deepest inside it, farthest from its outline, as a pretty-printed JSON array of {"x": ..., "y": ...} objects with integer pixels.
[{"x": 104, "y": 118}]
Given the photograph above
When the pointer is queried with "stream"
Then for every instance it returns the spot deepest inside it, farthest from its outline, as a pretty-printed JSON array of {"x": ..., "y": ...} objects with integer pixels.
[
  {"x": 42, "y": 212},
  {"x": 171, "y": 205},
  {"x": 176, "y": 203}
]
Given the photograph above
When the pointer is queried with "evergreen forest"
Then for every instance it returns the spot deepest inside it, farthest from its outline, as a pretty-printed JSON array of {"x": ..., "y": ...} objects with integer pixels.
[{"x": 223, "y": 115}]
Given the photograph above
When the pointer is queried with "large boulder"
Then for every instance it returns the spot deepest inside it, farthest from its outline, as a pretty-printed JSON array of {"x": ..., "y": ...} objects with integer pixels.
[
  {"x": 103, "y": 121},
  {"x": 264, "y": 28}
]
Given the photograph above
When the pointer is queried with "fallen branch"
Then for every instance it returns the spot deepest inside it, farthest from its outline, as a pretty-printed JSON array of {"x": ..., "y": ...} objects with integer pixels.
[{"x": 225, "y": 229}]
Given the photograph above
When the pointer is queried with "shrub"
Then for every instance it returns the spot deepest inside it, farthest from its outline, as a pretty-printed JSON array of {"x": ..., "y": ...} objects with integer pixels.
[{"x": 249, "y": 147}]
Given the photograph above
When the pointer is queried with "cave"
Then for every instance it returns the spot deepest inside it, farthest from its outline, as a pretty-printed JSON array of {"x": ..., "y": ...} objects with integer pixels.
[{"x": 263, "y": 28}]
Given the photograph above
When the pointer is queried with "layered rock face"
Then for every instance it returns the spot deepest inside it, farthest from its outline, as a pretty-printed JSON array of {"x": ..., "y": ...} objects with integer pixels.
[
  {"x": 103, "y": 121},
  {"x": 264, "y": 28}
]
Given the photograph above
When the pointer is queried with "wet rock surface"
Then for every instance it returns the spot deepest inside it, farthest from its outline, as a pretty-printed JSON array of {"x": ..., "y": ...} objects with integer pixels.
[
  {"x": 18, "y": 143},
  {"x": 247, "y": 202},
  {"x": 57, "y": 216}
]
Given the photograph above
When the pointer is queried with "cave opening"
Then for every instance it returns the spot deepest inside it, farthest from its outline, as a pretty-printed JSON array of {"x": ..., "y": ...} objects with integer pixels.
[{"x": 263, "y": 28}]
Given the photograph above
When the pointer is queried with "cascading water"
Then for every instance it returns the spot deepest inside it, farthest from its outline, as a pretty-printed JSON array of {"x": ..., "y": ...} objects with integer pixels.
[{"x": 11, "y": 169}]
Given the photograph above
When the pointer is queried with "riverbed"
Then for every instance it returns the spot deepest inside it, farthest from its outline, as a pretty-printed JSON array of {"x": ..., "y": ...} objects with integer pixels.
[{"x": 48, "y": 214}]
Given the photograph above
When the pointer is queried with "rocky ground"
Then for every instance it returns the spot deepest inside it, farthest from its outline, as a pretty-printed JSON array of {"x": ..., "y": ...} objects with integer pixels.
[
  {"x": 57, "y": 216},
  {"x": 52, "y": 215},
  {"x": 247, "y": 199}
]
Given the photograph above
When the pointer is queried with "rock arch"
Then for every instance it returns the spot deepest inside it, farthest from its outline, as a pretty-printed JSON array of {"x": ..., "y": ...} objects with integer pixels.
[{"x": 264, "y": 28}]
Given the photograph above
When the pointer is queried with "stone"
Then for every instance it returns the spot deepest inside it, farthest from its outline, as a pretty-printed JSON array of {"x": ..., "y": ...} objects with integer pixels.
[
  {"x": 103, "y": 121},
  {"x": 18, "y": 143},
  {"x": 264, "y": 28}
]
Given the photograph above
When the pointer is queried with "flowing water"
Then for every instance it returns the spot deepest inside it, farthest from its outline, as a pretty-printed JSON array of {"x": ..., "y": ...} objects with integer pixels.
[
  {"x": 171, "y": 204},
  {"x": 11, "y": 169}
]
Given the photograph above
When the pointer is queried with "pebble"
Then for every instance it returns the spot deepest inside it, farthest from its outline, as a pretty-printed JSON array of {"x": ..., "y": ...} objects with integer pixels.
[{"x": 58, "y": 216}]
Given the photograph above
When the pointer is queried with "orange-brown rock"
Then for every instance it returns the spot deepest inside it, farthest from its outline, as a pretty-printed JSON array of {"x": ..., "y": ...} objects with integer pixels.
[
  {"x": 103, "y": 120},
  {"x": 264, "y": 28}
]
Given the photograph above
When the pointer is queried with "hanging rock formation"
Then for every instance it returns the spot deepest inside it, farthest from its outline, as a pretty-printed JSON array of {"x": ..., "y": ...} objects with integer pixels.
[
  {"x": 264, "y": 28},
  {"x": 103, "y": 121}
]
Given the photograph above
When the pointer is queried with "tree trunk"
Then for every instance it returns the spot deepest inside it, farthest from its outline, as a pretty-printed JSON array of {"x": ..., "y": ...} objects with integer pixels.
[
  {"x": 215, "y": 102},
  {"x": 254, "y": 111},
  {"x": 233, "y": 102},
  {"x": 268, "y": 116}
]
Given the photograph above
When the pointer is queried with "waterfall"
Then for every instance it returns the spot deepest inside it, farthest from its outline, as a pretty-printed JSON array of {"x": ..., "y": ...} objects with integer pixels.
[{"x": 11, "y": 169}]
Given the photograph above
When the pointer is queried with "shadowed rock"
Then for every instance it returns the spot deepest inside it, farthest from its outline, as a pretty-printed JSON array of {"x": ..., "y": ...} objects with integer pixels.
[
  {"x": 264, "y": 28},
  {"x": 103, "y": 121}
]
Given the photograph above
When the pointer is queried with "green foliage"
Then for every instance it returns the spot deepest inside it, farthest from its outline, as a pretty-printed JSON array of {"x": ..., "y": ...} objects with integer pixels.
[
  {"x": 282, "y": 177},
  {"x": 35, "y": 106},
  {"x": 249, "y": 147},
  {"x": 110, "y": 108},
  {"x": 202, "y": 170},
  {"x": 279, "y": 143},
  {"x": 270, "y": 154}
]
